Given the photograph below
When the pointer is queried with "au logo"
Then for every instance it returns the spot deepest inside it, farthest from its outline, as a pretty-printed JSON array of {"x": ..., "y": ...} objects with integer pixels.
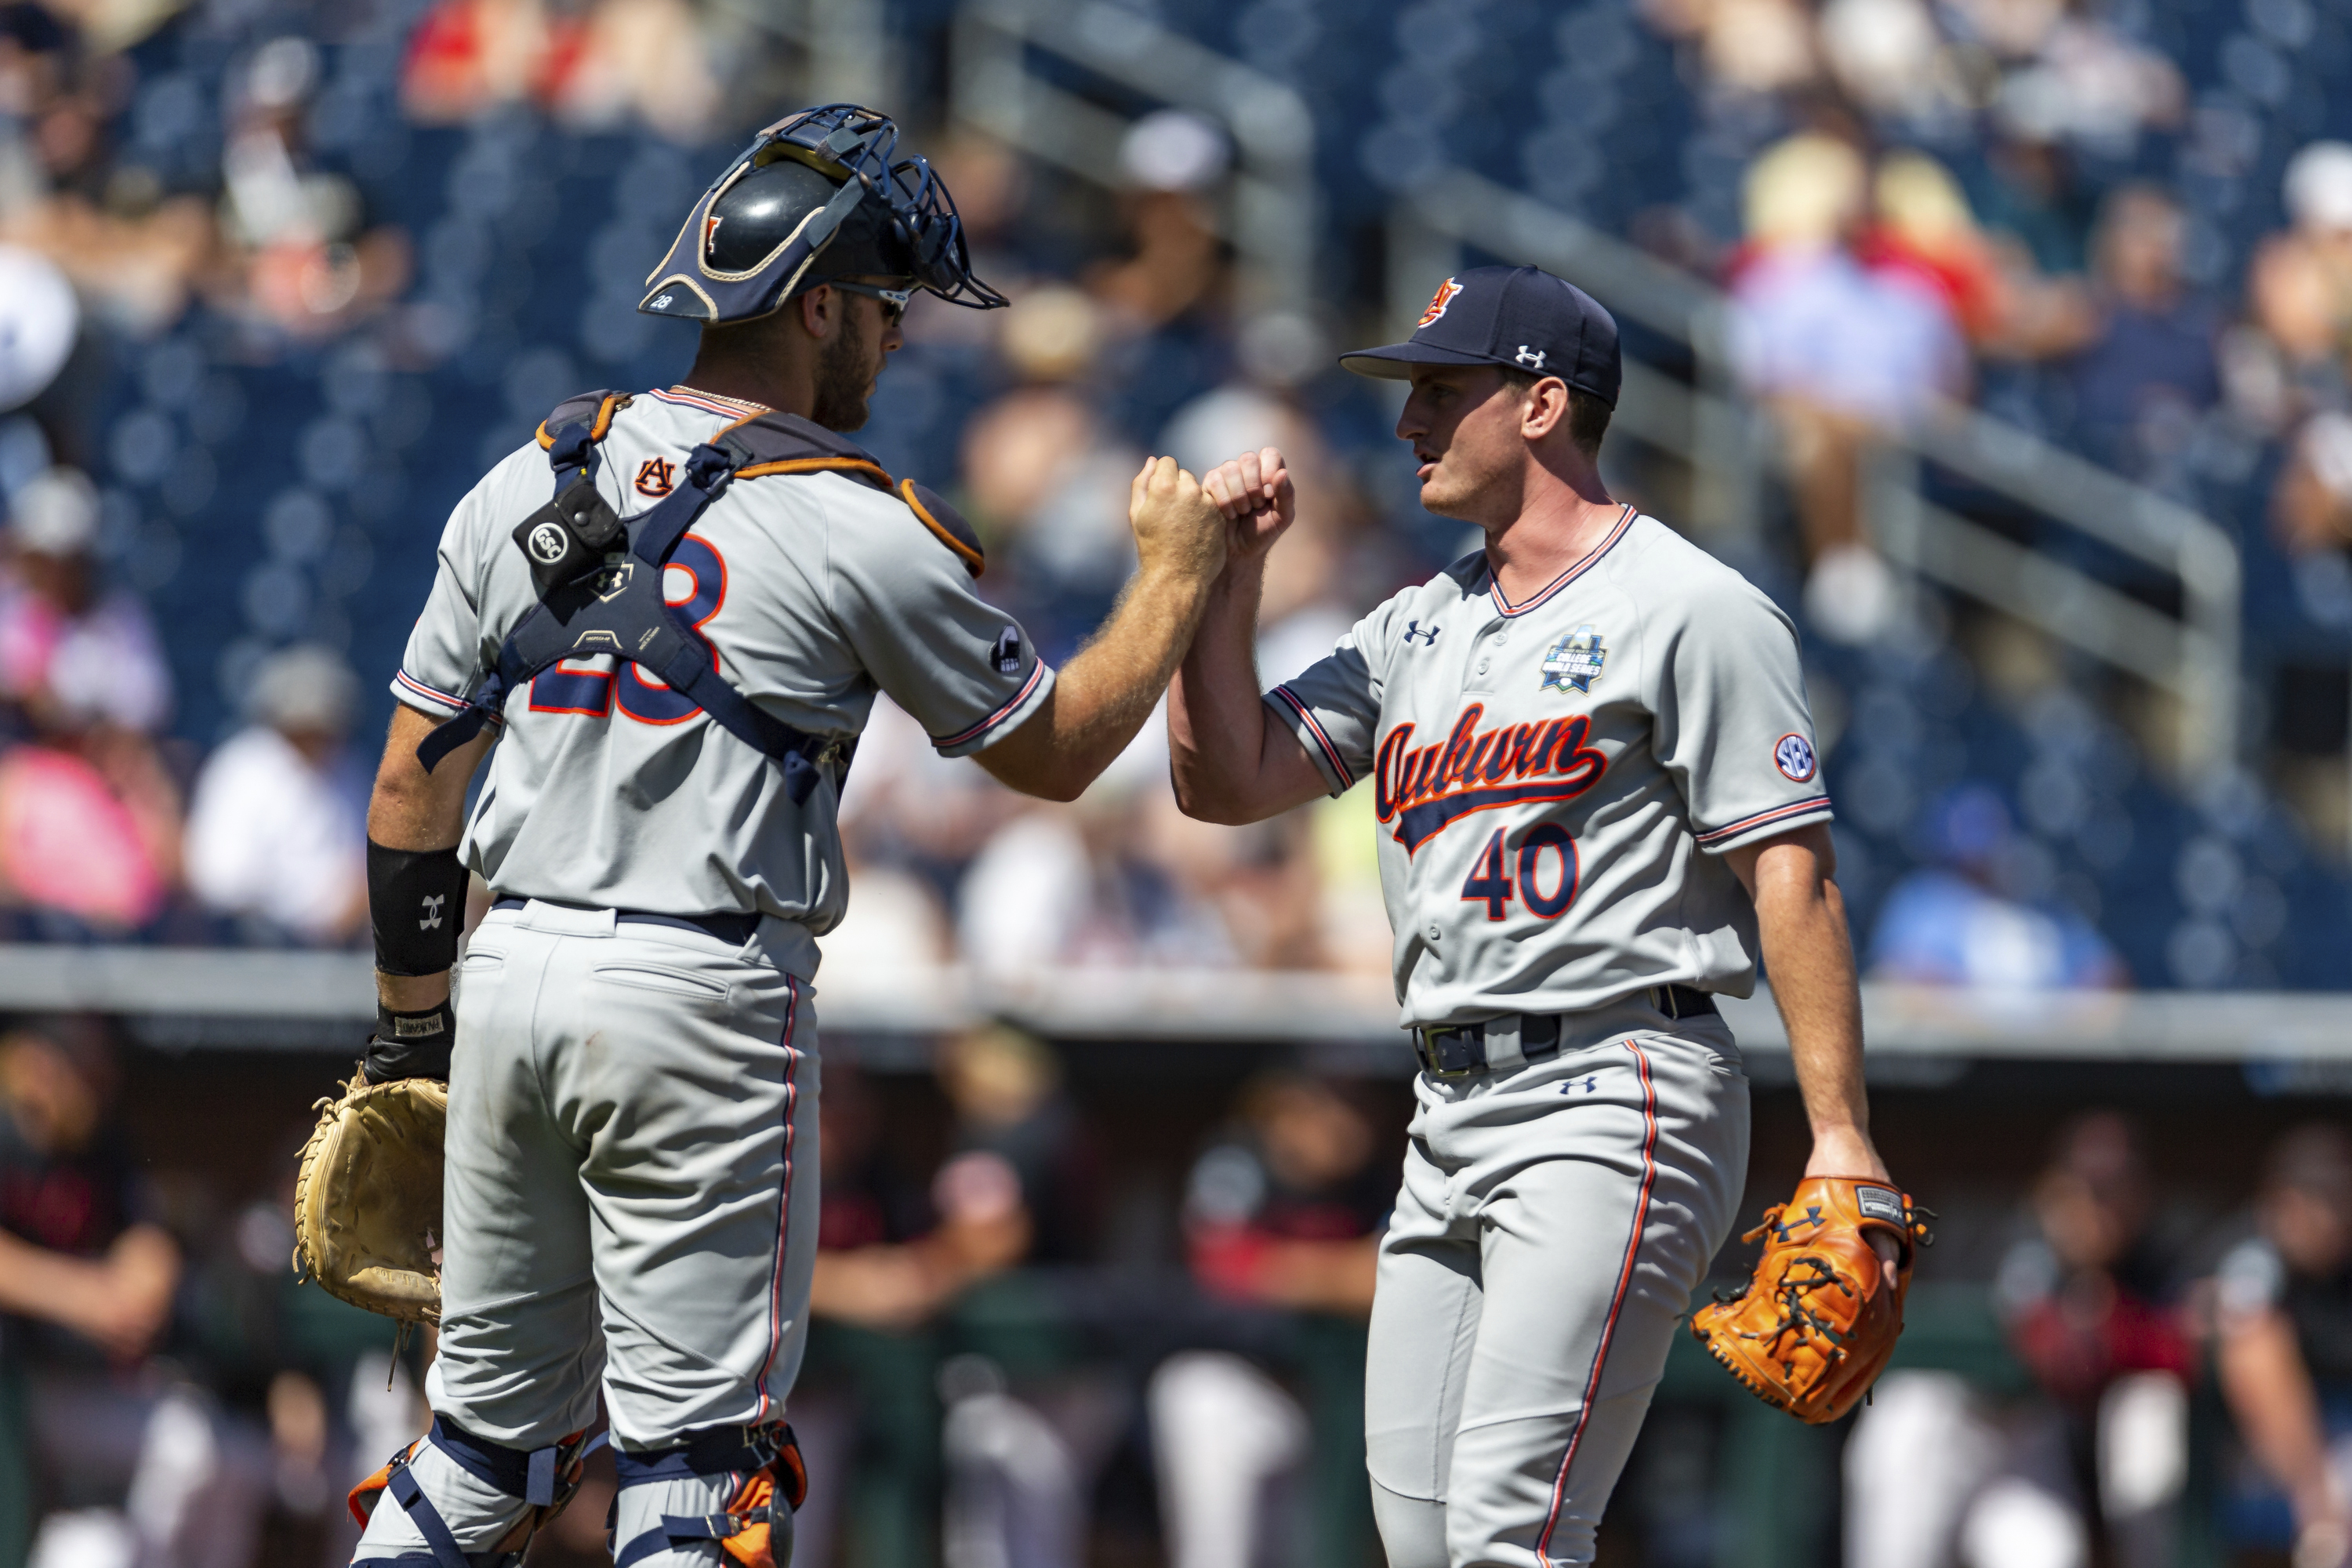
[
  {"x": 709, "y": 232},
  {"x": 1574, "y": 662},
  {"x": 657, "y": 477},
  {"x": 1437, "y": 302}
]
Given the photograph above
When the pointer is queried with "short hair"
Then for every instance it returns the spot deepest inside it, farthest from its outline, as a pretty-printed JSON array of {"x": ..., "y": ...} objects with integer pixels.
[{"x": 1588, "y": 416}]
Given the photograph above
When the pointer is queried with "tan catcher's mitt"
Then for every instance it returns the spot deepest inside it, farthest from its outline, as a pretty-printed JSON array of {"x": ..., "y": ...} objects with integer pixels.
[
  {"x": 1815, "y": 1324},
  {"x": 367, "y": 1205}
]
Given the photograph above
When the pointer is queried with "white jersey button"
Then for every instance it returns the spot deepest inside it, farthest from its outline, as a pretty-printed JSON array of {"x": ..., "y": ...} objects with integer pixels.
[{"x": 1435, "y": 931}]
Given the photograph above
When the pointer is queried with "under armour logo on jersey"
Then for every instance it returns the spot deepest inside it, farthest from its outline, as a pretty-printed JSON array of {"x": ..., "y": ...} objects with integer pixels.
[
  {"x": 432, "y": 903},
  {"x": 1006, "y": 654},
  {"x": 1412, "y": 629},
  {"x": 1588, "y": 1086},
  {"x": 657, "y": 477},
  {"x": 1531, "y": 358}
]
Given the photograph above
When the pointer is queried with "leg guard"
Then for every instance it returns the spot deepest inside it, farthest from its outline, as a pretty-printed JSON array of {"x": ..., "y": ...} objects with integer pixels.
[
  {"x": 545, "y": 1480},
  {"x": 757, "y": 1470}
]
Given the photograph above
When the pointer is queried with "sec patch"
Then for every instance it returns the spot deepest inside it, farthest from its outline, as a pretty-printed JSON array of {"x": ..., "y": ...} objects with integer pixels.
[{"x": 1794, "y": 756}]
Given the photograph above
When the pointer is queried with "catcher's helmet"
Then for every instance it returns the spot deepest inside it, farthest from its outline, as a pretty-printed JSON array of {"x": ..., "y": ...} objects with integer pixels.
[{"x": 818, "y": 196}]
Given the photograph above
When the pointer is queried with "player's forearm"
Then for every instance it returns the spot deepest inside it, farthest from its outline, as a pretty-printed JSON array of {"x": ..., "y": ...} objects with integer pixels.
[
  {"x": 1216, "y": 725},
  {"x": 1800, "y": 916},
  {"x": 1101, "y": 698},
  {"x": 412, "y": 809}
]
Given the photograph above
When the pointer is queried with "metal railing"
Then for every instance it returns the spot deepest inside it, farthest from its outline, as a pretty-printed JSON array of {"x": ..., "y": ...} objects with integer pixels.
[
  {"x": 212, "y": 998},
  {"x": 2194, "y": 657},
  {"x": 1271, "y": 213}
]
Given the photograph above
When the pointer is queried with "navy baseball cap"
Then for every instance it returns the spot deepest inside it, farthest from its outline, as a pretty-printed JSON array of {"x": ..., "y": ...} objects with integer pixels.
[{"x": 1521, "y": 317}]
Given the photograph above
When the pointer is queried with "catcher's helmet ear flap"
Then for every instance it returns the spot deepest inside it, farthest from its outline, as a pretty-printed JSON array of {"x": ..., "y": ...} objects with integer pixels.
[{"x": 816, "y": 196}]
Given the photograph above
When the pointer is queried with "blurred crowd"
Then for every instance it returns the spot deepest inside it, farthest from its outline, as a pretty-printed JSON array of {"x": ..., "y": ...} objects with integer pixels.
[
  {"x": 171, "y": 1396},
  {"x": 1869, "y": 281},
  {"x": 1017, "y": 1357}
]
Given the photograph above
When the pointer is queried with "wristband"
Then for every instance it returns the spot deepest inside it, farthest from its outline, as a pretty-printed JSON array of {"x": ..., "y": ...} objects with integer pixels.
[
  {"x": 411, "y": 1044},
  {"x": 416, "y": 901}
]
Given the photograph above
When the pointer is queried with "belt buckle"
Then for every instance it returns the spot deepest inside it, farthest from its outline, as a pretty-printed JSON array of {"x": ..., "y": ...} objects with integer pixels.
[{"x": 1450, "y": 1050}]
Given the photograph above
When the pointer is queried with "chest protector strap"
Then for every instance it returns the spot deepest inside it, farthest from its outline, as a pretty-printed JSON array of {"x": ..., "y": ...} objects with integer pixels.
[{"x": 600, "y": 581}]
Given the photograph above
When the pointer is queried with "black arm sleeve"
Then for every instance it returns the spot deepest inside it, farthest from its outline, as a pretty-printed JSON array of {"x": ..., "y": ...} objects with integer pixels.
[{"x": 417, "y": 898}]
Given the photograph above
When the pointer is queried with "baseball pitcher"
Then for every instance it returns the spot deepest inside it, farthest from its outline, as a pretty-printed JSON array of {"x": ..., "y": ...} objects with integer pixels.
[
  {"x": 1599, "y": 805},
  {"x": 675, "y": 610}
]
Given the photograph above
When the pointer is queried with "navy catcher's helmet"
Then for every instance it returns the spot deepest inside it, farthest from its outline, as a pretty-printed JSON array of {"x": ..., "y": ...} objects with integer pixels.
[{"x": 818, "y": 196}]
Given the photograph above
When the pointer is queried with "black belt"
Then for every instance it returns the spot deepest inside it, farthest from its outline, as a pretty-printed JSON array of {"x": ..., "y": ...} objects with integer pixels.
[
  {"x": 734, "y": 930},
  {"x": 1457, "y": 1050}
]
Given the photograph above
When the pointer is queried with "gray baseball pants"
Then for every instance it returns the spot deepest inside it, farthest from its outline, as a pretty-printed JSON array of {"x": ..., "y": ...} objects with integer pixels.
[
  {"x": 1555, "y": 1217},
  {"x": 630, "y": 1201}
]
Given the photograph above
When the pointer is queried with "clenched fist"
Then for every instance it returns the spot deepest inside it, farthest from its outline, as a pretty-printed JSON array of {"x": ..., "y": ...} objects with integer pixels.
[
  {"x": 1255, "y": 493},
  {"x": 1178, "y": 529}
]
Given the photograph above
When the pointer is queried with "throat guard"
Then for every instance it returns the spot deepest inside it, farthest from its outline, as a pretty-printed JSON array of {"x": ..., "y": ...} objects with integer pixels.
[{"x": 599, "y": 576}]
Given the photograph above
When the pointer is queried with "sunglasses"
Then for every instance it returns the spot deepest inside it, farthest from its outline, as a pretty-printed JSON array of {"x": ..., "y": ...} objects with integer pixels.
[{"x": 893, "y": 300}]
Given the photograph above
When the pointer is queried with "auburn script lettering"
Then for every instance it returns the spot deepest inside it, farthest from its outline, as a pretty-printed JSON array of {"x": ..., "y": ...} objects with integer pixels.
[{"x": 1423, "y": 790}]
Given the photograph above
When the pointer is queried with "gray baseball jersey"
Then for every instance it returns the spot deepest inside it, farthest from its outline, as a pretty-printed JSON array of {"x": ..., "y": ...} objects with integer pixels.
[
  {"x": 1556, "y": 780},
  {"x": 610, "y": 791}
]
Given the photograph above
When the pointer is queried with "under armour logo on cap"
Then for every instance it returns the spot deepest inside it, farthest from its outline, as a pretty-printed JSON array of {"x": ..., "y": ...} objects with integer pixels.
[{"x": 1531, "y": 358}]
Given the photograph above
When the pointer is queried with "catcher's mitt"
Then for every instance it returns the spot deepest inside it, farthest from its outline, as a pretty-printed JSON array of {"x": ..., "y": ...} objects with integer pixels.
[
  {"x": 367, "y": 1205},
  {"x": 1814, "y": 1325}
]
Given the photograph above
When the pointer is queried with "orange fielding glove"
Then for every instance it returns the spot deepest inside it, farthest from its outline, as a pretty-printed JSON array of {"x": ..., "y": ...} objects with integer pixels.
[{"x": 1815, "y": 1324}]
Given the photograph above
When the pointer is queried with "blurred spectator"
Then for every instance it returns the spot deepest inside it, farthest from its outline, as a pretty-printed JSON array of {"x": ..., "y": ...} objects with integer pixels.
[
  {"x": 1285, "y": 1213},
  {"x": 1029, "y": 1420},
  {"x": 1837, "y": 351},
  {"x": 72, "y": 652},
  {"x": 2311, "y": 508},
  {"x": 278, "y": 826},
  {"x": 1758, "y": 47},
  {"x": 1046, "y": 476},
  {"x": 593, "y": 66},
  {"x": 2284, "y": 1312},
  {"x": 2300, "y": 285},
  {"x": 299, "y": 257},
  {"x": 1934, "y": 1477},
  {"x": 891, "y": 1258},
  {"x": 144, "y": 1467},
  {"x": 1990, "y": 282},
  {"x": 2144, "y": 382},
  {"x": 1172, "y": 159},
  {"x": 1957, "y": 922}
]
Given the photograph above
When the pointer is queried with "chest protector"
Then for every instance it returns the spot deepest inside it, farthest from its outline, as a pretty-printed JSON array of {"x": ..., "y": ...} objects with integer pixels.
[{"x": 599, "y": 576}]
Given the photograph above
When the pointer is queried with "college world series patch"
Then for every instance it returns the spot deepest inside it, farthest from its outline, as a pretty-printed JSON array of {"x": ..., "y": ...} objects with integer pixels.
[
  {"x": 1574, "y": 661},
  {"x": 1794, "y": 754}
]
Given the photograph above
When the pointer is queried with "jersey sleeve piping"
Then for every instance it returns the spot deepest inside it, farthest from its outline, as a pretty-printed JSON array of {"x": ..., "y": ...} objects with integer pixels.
[
  {"x": 416, "y": 694},
  {"x": 1778, "y": 817},
  {"x": 1334, "y": 767},
  {"x": 1014, "y": 705}
]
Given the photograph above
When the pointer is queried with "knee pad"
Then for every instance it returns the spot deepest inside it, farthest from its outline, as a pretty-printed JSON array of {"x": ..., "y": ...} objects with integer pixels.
[
  {"x": 545, "y": 1480},
  {"x": 766, "y": 1481}
]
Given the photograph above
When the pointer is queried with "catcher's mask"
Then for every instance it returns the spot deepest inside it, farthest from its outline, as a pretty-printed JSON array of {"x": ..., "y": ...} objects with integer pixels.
[{"x": 819, "y": 196}]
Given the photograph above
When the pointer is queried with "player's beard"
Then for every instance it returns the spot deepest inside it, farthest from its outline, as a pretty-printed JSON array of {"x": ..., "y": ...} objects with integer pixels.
[{"x": 844, "y": 373}]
